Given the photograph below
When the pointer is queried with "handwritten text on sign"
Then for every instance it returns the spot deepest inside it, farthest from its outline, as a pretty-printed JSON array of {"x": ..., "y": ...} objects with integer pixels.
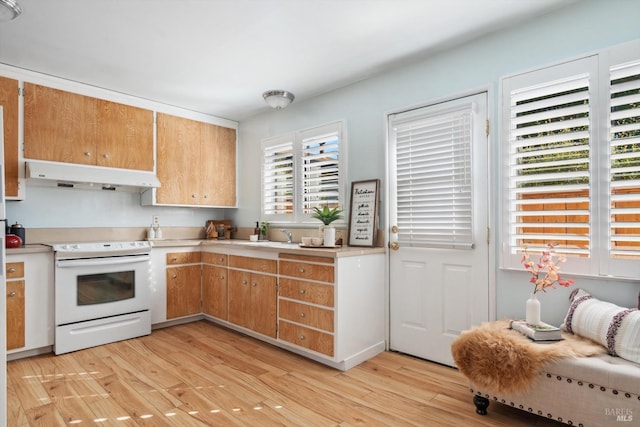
[{"x": 364, "y": 212}]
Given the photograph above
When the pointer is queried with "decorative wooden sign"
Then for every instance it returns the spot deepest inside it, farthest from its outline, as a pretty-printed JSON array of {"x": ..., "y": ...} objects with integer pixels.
[{"x": 363, "y": 217}]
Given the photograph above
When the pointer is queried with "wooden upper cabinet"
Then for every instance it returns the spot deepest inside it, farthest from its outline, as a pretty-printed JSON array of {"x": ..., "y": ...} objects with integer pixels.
[
  {"x": 125, "y": 136},
  {"x": 178, "y": 164},
  {"x": 196, "y": 162},
  {"x": 9, "y": 101},
  {"x": 218, "y": 154},
  {"x": 67, "y": 127}
]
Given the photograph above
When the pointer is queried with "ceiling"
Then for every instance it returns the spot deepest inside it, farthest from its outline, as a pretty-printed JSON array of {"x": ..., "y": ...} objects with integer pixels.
[{"x": 218, "y": 56}]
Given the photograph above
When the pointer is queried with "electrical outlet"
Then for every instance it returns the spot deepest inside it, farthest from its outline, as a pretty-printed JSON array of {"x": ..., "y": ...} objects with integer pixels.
[{"x": 156, "y": 220}]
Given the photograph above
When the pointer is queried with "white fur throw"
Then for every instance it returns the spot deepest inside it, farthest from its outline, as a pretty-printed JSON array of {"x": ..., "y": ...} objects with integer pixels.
[{"x": 616, "y": 328}]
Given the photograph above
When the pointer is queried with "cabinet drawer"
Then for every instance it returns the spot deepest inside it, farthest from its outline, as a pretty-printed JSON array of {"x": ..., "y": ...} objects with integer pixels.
[
  {"x": 309, "y": 315},
  {"x": 214, "y": 258},
  {"x": 314, "y": 293},
  {"x": 183, "y": 257},
  {"x": 15, "y": 270},
  {"x": 303, "y": 270},
  {"x": 305, "y": 337},
  {"x": 256, "y": 264}
]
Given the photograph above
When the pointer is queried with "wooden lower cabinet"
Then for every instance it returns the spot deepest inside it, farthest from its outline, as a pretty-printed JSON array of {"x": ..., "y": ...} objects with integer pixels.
[
  {"x": 15, "y": 314},
  {"x": 252, "y": 301},
  {"x": 327, "y": 308},
  {"x": 183, "y": 291},
  {"x": 215, "y": 291}
]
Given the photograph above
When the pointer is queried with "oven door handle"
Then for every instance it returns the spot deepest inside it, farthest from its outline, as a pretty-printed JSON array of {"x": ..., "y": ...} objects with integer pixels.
[{"x": 89, "y": 262}]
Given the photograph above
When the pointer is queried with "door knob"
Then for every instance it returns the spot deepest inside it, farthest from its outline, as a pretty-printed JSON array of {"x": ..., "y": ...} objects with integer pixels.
[
  {"x": 394, "y": 229},
  {"x": 394, "y": 246}
]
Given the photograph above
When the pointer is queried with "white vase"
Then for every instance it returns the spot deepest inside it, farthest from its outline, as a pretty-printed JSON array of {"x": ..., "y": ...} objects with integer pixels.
[
  {"x": 329, "y": 236},
  {"x": 533, "y": 310}
]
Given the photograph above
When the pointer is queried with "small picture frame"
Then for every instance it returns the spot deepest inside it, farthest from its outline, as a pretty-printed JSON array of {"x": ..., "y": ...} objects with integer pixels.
[{"x": 363, "y": 214}]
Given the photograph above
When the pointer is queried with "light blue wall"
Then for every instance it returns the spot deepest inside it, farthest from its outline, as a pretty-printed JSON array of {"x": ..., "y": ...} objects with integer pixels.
[
  {"x": 578, "y": 29},
  {"x": 52, "y": 207}
]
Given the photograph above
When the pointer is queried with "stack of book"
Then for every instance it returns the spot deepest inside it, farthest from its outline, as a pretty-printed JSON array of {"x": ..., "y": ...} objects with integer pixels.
[{"x": 541, "y": 332}]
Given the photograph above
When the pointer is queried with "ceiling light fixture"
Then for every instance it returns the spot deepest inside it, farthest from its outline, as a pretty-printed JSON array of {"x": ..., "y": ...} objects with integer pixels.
[
  {"x": 278, "y": 99},
  {"x": 10, "y": 10}
]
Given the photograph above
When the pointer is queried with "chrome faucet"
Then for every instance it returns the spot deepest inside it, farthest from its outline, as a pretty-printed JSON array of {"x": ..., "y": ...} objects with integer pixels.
[{"x": 288, "y": 234}]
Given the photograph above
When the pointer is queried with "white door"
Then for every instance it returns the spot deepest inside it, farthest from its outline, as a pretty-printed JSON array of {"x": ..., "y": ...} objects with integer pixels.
[{"x": 438, "y": 201}]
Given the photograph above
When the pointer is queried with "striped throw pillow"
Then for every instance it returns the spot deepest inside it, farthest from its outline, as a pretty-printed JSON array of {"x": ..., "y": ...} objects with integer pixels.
[{"x": 617, "y": 328}]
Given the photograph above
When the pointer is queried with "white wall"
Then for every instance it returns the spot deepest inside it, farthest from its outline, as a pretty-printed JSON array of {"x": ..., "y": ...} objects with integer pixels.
[{"x": 573, "y": 31}]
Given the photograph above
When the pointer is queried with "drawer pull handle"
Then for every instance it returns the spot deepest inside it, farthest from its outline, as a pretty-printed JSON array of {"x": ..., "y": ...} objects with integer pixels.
[
  {"x": 174, "y": 259},
  {"x": 221, "y": 259},
  {"x": 87, "y": 153},
  {"x": 174, "y": 276},
  {"x": 302, "y": 291},
  {"x": 12, "y": 294},
  {"x": 301, "y": 270},
  {"x": 301, "y": 314},
  {"x": 301, "y": 337},
  {"x": 222, "y": 277},
  {"x": 244, "y": 282},
  {"x": 254, "y": 284},
  {"x": 12, "y": 270}
]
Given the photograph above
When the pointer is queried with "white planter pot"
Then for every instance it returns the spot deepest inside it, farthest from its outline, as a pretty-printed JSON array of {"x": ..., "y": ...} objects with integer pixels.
[{"x": 329, "y": 236}]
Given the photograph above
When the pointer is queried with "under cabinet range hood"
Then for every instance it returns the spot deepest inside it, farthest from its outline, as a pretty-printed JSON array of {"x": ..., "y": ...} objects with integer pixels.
[{"x": 70, "y": 175}]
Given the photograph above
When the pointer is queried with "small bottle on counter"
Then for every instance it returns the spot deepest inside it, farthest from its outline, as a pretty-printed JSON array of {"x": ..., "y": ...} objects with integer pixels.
[
  {"x": 256, "y": 230},
  {"x": 151, "y": 233},
  {"x": 158, "y": 232}
]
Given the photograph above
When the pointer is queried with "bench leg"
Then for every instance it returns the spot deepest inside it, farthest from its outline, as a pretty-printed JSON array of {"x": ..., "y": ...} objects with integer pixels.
[{"x": 482, "y": 403}]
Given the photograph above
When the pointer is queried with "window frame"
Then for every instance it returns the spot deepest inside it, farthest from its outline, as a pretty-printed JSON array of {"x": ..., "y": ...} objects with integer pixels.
[
  {"x": 599, "y": 263},
  {"x": 297, "y": 138}
]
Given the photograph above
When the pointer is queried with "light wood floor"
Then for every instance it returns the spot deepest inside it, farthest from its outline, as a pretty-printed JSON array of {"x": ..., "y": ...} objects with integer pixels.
[{"x": 200, "y": 374}]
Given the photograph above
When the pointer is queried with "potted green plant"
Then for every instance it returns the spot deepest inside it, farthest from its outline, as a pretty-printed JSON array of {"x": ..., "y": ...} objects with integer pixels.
[
  {"x": 264, "y": 228},
  {"x": 327, "y": 216}
]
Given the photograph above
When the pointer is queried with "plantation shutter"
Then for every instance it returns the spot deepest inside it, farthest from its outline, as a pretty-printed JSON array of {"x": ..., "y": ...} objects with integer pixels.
[
  {"x": 433, "y": 169},
  {"x": 549, "y": 175},
  {"x": 320, "y": 167},
  {"x": 624, "y": 141},
  {"x": 278, "y": 177}
]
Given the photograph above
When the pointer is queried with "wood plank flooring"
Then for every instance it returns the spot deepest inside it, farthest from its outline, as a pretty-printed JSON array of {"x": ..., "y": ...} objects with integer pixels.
[{"x": 200, "y": 374}]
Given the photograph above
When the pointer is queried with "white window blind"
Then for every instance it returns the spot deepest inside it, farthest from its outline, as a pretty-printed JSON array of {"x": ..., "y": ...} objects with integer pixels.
[
  {"x": 302, "y": 170},
  {"x": 624, "y": 141},
  {"x": 278, "y": 178},
  {"x": 433, "y": 168},
  {"x": 571, "y": 175},
  {"x": 549, "y": 142},
  {"x": 320, "y": 167}
]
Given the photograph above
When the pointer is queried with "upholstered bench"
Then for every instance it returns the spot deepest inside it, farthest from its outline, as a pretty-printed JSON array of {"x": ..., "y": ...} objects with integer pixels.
[
  {"x": 586, "y": 391},
  {"x": 591, "y": 378}
]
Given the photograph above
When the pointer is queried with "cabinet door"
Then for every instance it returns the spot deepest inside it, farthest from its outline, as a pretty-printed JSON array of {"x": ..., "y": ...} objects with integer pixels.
[
  {"x": 9, "y": 102},
  {"x": 218, "y": 155},
  {"x": 215, "y": 293},
  {"x": 125, "y": 136},
  {"x": 240, "y": 298},
  {"x": 59, "y": 126},
  {"x": 263, "y": 304},
  {"x": 183, "y": 291},
  {"x": 15, "y": 314},
  {"x": 178, "y": 160}
]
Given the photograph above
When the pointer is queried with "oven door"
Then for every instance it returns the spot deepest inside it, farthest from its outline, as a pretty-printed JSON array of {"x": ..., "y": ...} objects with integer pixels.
[{"x": 94, "y": 288}]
